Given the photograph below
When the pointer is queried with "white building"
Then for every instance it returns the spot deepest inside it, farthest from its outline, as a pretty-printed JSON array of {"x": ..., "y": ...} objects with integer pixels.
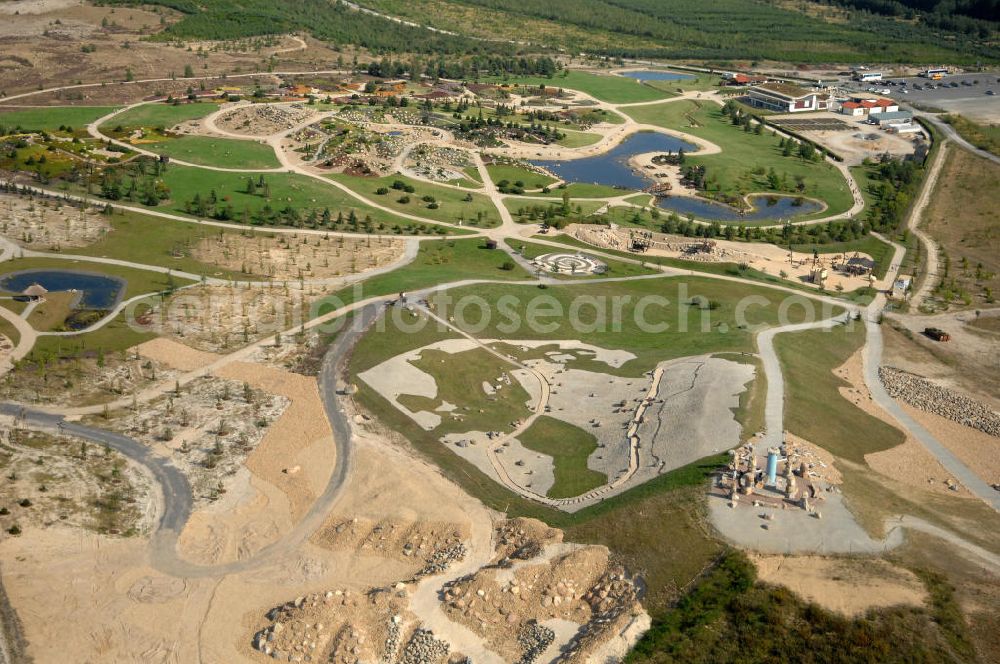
[{"x": 786, "y": 98}]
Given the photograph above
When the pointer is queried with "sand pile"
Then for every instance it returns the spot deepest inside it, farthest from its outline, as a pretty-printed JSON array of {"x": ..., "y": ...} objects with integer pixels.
[{"x": 210, "y": 425}]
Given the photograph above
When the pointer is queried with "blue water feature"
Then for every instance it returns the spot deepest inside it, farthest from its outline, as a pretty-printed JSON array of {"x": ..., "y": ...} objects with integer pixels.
[
  {"x": 611, "y": 168},
  {"x": 657, "y": 75},
  {"x": 765, "y": 207},
  {"x": 98, "y": 291}
]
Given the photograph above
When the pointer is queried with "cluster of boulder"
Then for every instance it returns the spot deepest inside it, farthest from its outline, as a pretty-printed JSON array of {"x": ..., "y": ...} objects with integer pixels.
[
  {"x": 442, "y": 559},
  {"x": 927, "y": 396},
  {"x": 534, "y": 638},
  {"x": 423, "y": 648}
]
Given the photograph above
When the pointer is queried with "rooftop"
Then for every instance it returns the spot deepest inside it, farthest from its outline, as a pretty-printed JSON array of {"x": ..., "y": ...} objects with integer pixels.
[{"x": 785, "y": 90}]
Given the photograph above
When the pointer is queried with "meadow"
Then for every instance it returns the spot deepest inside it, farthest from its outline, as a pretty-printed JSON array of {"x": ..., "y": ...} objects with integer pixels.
[
  {"x": 746, "y": 157},
  {"x": 50, "y": 119}
]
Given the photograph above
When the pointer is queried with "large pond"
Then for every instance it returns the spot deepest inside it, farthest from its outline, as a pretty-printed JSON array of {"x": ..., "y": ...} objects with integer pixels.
[
  {"x": 611, "y": 168},
  {"x": 97, "y": 291},
  {"x": 765, "y": 208},
  {"x": 657, "y": 75}
]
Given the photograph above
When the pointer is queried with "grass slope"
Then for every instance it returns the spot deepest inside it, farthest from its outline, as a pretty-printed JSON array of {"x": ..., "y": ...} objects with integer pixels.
[
  {"x": 814, "y": 407},
  {"x": 160, "y": 115},
  {"x": 744, "y": 152},
  {"x": 606, "y": 87},
  {"x": 570, "y": 447},
  {"x": 211, "y": 151},
  {"x": 50, "y": 119}
]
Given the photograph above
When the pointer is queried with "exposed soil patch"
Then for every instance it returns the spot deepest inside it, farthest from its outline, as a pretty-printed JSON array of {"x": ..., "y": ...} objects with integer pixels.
[
  {"x": 49, "y": 225},
  {"x": 290, "y": 257},
  {"x": 845, "y": 585},
  {"x": 55, "y": 479}
]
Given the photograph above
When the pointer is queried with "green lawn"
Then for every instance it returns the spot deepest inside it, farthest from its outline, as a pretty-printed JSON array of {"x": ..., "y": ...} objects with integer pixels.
[
  {"x": 732, "y": 171},
  {"x": 606, "y": 87},
  {"x": 459, "y": 378},
  {"x": 584, "y": 190},
  {"x": 656, "y": 319},
  {"x": 512, "y": 173},
  {"x": 160, "y": 115},
  {"x": 155, "y": 241},
  {"x": 702, "y": 81},
  {"x": 116, "y": 335},
  {"x": 210, "y": 151},
  {"x": 523, "y": 207},
  {"x": 50, "y": 119},
  {"x": 814, "y": 407},
  {"x": 569, "y": 446},
  {"x": 286, "y": 189},
  {"x": 452, "y": 206},
  {"x": 577, "y": 139},
  {"x": 437, "y": 262}
]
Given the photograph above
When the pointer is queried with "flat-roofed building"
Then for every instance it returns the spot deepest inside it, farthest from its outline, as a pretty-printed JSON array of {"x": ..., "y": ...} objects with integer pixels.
[{"x": 784, "y": 98}]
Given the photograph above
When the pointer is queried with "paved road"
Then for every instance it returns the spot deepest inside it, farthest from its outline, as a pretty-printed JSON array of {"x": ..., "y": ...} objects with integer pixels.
[
  {"x": 175, "y": 490},
  {"x": 953, "y": 135},
  {"x": 872, "y": 356},
  {"x": 774, "y": 404}
]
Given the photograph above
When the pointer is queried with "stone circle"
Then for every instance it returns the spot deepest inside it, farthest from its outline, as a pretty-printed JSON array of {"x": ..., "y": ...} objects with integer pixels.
[{"x": 577, "y": 263}]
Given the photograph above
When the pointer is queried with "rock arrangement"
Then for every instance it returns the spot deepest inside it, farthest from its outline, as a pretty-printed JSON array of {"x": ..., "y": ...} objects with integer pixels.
[
  {"x": 423, "y": 648},
  {"x": 263, "y": 119},
  {"x": 534, "y": 639},
  {"x": 392, "y": 639},
  {"x": 536, "y": 578},
  {"x": 442, "y": 559},
  {"x": 927, "y": 396},
  {"x": 335, "y": 626}
]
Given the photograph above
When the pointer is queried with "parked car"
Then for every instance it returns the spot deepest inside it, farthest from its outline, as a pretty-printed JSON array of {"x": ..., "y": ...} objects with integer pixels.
[
  {"x": 937, "y": 334},
  {"x": 990, "y": 92}
]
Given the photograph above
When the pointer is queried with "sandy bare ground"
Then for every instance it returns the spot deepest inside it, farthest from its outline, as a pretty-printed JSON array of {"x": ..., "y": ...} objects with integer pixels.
[
  {"x": 909, "y": 463},
  {"x": 281, "y": 478},
  {"x": 764, "y": 257},
  {"x": 97, "y": 597},
  {"x": 977, "y": 450},
  {"x": 847, "y": 586},
  {"x": 861, "y": 141},
  {"x": 174, "y": 354},
  {"x": 297, "y": 454}
]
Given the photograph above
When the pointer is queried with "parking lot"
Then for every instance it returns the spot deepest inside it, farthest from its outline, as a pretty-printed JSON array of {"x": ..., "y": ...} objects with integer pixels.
[{"x": 968, "y": 94}]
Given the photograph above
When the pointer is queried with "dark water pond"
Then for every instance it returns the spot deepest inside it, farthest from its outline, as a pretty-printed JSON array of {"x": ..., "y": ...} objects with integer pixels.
[
  {"x": 611, "y": 168},
  {"x": 657, "y": 76},
  {"x": 97, "y": 291}
]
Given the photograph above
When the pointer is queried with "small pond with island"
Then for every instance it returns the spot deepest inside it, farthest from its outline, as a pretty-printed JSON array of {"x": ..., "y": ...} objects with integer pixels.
[{"x": 612, "y": 169}]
